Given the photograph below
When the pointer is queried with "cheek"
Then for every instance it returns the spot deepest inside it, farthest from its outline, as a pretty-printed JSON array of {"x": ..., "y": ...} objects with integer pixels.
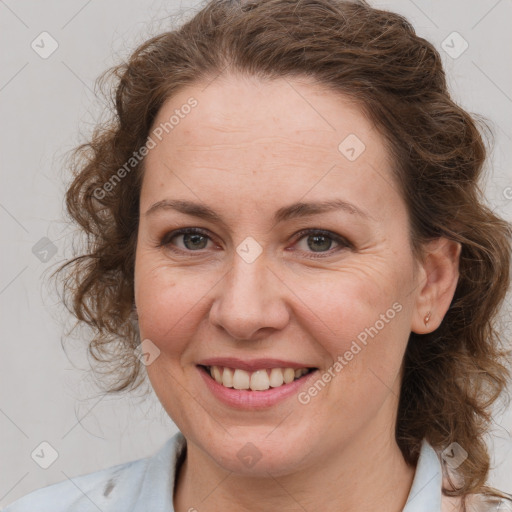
[
  {"x": 169, "y": 301},
  {"x": 360, "y": 322},
  {"x": 353, "y": 305},
  {"x": 368, "y": 320}
]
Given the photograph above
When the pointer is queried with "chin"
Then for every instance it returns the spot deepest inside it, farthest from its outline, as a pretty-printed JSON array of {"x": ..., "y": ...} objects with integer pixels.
[{"x": 258, "y": 453}]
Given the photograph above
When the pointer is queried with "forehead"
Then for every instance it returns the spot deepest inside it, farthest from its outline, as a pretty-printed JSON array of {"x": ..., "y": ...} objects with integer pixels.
[
  {"x": 301, "y": 113},
  {"x": 249, "y": 133}
]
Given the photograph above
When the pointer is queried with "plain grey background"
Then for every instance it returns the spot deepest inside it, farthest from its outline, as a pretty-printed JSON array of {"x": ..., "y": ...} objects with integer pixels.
[{"x": 47, "y": 106}]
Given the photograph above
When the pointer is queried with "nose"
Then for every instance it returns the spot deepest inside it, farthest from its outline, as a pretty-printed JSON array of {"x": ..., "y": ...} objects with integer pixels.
[{"x": 251, "y": 301}]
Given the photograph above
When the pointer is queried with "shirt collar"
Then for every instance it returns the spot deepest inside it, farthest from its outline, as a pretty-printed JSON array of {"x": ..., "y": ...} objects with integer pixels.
[
  {"x": 425, "y": 493},
  {"x": 157, "y": 488}
]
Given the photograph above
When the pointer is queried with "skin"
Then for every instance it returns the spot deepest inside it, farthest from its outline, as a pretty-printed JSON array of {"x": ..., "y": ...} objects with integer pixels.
[{"x": 249, "y": 148}]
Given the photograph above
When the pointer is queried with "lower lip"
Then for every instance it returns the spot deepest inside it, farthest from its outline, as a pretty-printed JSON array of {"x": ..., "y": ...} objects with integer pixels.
[{"x": 251, "y": 400}]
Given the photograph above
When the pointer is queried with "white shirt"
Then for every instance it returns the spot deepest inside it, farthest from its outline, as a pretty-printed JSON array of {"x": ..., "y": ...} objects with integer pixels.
[{"x": 146, "y": 485}]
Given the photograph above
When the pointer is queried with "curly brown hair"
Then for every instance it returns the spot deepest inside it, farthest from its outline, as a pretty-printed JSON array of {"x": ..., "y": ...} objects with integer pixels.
[{"x": 452, "y": 376}]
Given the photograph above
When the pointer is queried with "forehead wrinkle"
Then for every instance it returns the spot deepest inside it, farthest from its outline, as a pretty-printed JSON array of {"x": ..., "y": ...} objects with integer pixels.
[{"x": 281, "y": 141}]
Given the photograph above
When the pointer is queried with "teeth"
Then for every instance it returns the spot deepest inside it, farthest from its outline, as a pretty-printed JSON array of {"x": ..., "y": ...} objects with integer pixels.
[
  {"x": 276, "y": 377},
  {"x": 227, "y": 377},
  {"x": 259, "y": 380},
  {"x": 241, "y": 379},
  {"x": 216, "y": 374},
  {"x": 288, "y": 375}
]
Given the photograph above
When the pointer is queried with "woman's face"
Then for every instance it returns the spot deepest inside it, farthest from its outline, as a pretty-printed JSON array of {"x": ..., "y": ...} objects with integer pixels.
[{"x": 260, "y": 281}]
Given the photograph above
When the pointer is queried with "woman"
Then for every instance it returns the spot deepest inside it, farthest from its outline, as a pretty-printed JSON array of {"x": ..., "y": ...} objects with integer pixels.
[{"x": 285, "y": 230}]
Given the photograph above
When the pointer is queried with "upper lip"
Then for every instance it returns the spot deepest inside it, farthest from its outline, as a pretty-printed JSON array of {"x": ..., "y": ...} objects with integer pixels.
[{"x": 253, "y": 364}]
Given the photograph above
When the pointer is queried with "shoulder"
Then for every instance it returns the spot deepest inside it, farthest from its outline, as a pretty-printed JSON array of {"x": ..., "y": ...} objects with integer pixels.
[
  {"x": 116, "y": 488},
  {"x": 489, "y": 503},
  {"x": 478, "y": 503},
  {"x": 85, "y": 492},
  {"x": 430, "y": 463}
]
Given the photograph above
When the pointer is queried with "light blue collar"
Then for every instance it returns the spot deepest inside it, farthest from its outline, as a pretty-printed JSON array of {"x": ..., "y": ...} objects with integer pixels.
[{"x": 425, "y": 493}]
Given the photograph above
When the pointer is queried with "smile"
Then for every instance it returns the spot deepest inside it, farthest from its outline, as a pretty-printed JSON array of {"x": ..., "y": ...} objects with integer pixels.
[{"x": 259, "y": 380}]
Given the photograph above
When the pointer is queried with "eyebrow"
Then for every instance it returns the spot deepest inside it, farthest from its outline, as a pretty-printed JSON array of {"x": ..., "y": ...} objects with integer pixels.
[{"x": 293, "y": 211}]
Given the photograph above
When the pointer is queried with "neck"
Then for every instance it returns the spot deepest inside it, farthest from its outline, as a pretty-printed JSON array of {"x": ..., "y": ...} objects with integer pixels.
[{"x": 367, "y": 474}]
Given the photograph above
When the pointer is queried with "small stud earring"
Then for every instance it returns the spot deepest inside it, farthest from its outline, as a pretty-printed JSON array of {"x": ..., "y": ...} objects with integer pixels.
[{"x": 427, "y": 318}]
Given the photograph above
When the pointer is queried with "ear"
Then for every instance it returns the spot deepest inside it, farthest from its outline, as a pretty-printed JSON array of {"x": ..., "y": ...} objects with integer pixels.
[{"x": 436, "y": 283}]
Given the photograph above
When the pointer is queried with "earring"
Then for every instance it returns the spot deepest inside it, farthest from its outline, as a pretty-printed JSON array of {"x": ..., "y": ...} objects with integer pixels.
[{"x": 427, "y": 318}]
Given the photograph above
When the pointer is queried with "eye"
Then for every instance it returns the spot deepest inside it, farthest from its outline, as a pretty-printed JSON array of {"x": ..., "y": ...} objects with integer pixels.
[
  {"x": 316, "y": 241},
  {"x": 193, "y": 239},
  {"x": 320, "y": 241}
]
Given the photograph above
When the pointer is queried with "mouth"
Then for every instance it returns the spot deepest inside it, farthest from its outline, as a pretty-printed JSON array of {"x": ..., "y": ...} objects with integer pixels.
[{"x": 255, "y": 381}]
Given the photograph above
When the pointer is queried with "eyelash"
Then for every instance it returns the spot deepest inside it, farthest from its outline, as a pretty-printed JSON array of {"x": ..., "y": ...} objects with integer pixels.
[{"x": 343, "y": 243}]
